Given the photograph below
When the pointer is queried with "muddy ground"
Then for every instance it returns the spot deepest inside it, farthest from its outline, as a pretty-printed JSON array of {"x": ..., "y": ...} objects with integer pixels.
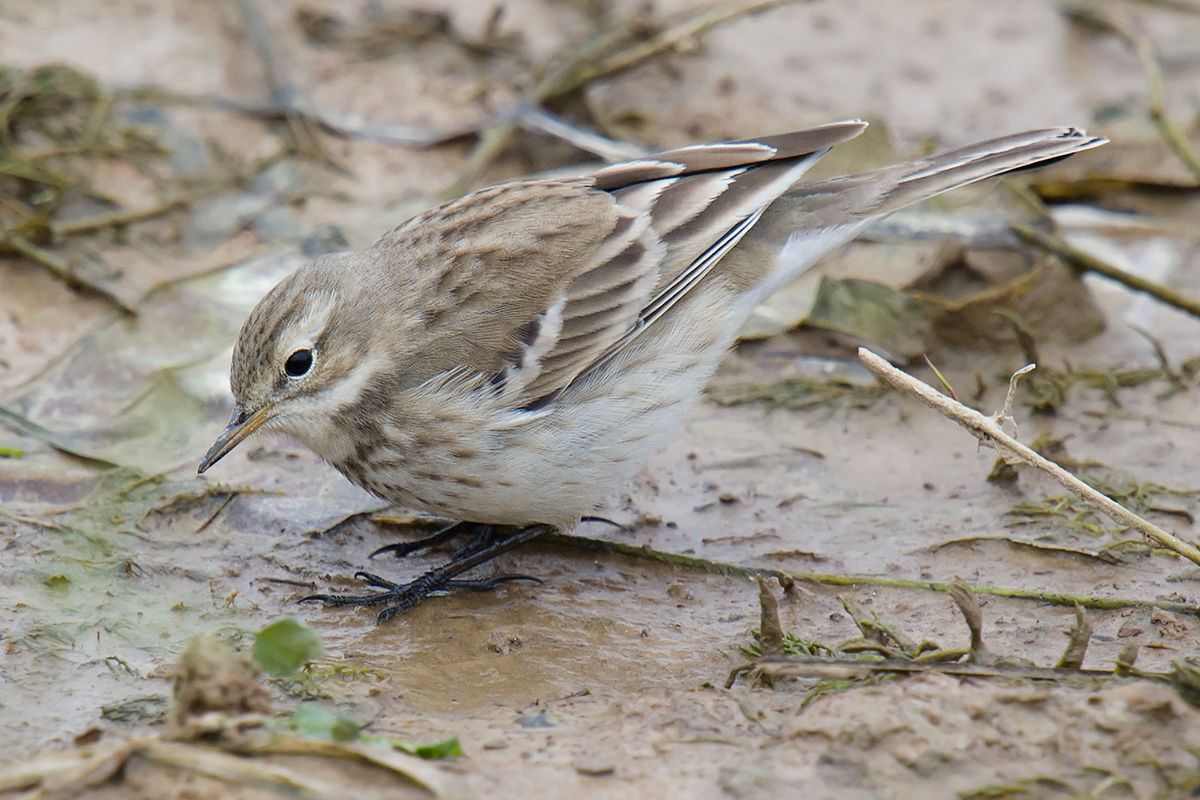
[{"x": 606, "y": 679}]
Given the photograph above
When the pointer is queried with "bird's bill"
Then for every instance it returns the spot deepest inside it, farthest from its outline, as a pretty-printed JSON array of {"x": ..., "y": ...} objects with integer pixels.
[{"x": 240, "y": 426}]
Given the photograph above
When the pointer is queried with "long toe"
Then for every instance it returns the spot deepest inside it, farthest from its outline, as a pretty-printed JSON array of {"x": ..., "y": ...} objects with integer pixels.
[
  {"x": 487, "y": 584},
  {"x": 391, "y": 590},
  {"x": 349, "y": 600}
]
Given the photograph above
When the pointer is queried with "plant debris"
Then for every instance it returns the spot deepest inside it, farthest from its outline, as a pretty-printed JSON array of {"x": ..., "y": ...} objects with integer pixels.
[
  {"x": 883, "y": 651},
  {"x": 1140, "y": 497},
  {"x": 220, "y": 729},
  {"x": 63, "y": 141}
]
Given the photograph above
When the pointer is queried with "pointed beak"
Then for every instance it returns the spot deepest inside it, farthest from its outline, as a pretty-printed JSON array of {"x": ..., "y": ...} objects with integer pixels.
[{"x": 241, "y": 425}]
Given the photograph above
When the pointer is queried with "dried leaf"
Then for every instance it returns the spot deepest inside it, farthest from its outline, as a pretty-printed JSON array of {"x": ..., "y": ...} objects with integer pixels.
[
  {"x": 770, "y": 631},
  {"x": 1081, "y": 635},
  {"x": 968, "y": 604}
]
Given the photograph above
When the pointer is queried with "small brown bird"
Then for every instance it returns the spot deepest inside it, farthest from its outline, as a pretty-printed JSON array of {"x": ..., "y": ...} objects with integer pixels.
[{"x": 517, "y": 355}]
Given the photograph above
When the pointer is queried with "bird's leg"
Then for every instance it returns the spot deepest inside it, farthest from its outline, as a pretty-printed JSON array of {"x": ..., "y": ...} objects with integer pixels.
[
  {"x": 402, "y": 549},
  {"x": 482, "y": 541},
  {"x": 400, "y": 597}
]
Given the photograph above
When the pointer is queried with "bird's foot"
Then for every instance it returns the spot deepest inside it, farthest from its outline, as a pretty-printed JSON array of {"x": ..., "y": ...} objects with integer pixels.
[{"x": 400, "y": 597}]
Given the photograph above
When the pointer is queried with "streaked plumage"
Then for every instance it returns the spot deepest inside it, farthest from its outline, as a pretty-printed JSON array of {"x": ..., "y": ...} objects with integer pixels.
[{"x": 515, "y": 356}]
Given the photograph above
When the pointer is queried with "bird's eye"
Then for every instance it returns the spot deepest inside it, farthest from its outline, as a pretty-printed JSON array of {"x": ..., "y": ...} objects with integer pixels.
[{"x": 298, "y": 363}]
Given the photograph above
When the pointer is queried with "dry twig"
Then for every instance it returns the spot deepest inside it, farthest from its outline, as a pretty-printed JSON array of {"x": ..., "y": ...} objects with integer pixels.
[
  {"x": 1158, "y": 107},
  {"x": 590, "y": 63},
  {"x": 987, "y": 430},
  {"x": 1085, "y": 262},
  {"x": 62, "y": 270}
]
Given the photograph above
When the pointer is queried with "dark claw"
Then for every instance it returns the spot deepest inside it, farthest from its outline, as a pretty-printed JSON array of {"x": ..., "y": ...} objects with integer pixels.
[
  {"x": 402, "y": 549},
  {"x": 605, "y": 520},
  {"x": 391, "y": 612},
  {"x": 377, "y": 581},
  {"x": 487, "y": 584}
]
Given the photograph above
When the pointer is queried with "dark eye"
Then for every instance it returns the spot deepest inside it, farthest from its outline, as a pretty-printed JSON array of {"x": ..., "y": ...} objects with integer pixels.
[{"x": 298, "y": 363}]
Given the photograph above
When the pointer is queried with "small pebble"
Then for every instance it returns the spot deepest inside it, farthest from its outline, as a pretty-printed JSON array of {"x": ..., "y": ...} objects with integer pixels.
[{"x": 504, "y": 640}]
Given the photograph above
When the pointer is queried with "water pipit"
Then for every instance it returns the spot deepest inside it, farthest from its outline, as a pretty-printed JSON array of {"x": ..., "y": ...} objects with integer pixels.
[{"x": 515, "y": 356}]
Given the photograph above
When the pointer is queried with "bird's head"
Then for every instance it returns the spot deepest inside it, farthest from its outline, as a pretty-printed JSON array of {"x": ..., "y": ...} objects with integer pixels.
[{"x": 303, "y": 354}]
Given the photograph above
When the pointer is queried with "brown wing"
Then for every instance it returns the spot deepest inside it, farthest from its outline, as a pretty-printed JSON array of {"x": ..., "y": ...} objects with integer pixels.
[
  {"x": 534, "y": 282},
  {"x": 521, "y": 280}
]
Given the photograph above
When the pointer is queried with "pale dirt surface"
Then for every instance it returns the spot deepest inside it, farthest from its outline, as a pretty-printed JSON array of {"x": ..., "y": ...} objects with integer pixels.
[{"x": 600, "y": 681}]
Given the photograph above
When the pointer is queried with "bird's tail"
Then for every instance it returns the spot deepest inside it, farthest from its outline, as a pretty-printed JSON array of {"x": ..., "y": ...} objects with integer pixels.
[
  {"x": 917, "y": 180},
  {"x": 812, "y": 219}
]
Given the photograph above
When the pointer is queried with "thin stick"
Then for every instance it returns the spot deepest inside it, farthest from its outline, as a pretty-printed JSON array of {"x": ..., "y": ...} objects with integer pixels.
[
  {"x": 825, "y": 579},
  {"x": 282, "y": 91},
  {"x": 22, "y": 426},
  {"x": 121, "y": 217},
  {"x": 987, "y": 430},
  {"x": 542, "y": 120},
  {"x": 1158, "y": 107},
  {"x": 224, "y": 504},
  {"x": 846, "y": 669},
  {"x": 1085, "y": 262},
  {"x": 582, "y": 69},
  {"x": 1157, "y": 110},
  {"x": 1173, "y": 5},
  {"x": 672, "y": 37},
  {"x": 63, "y": 271}
]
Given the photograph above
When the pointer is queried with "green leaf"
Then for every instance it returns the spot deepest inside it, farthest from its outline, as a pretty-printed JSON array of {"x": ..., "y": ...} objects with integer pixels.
[
  {"x": 316, "y": 722},
  {"x": 285, "y": 646},
  {"x": 444, "y": 749},
  {"x": 57, "y": 583}
]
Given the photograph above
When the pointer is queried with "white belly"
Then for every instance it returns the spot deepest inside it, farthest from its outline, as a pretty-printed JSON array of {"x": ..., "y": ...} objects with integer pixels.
[{"x": 468, "y": 461}]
